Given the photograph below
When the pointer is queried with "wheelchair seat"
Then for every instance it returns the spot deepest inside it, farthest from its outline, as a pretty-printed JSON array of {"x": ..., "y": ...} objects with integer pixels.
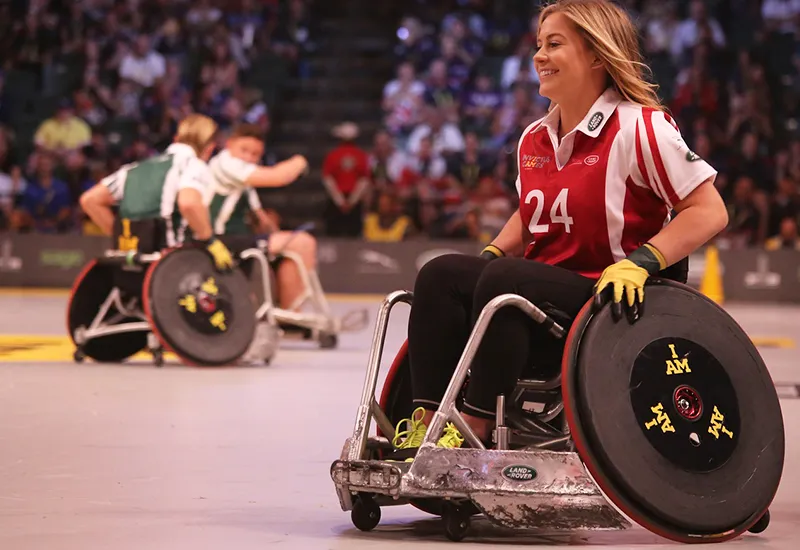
[
  {"x": 143, "y": 294},
  {"x": 656, "y": 417}
]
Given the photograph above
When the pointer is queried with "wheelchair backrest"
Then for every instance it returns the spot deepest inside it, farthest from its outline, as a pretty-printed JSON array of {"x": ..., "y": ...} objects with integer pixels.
[{"x": 143, "y": 236}]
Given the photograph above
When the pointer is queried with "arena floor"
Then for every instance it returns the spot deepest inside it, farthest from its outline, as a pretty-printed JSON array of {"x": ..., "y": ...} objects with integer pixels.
[{"x": 132, "y": 457}]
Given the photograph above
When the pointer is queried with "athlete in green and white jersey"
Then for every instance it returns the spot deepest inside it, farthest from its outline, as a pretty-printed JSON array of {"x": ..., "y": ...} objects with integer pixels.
[
  {"x": 174, "y": 186},
  {"x": 236, "y": 175}
]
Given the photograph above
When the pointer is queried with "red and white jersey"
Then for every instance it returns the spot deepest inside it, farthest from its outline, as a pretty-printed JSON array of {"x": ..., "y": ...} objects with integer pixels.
[{"x": 607, "y": 188}]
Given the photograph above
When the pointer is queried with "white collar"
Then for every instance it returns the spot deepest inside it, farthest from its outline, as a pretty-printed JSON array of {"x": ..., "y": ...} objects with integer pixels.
[
  {"x": 181, "y": 148},
  {"x": 592, "y": 124}
]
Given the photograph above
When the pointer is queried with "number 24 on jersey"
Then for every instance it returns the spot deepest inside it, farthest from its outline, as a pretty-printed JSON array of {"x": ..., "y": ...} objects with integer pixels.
[{"x": 558, "y": 212}]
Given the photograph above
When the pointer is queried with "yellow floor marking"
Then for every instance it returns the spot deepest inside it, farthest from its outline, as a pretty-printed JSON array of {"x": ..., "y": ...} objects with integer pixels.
[
  {"x": 25, "y": 348},
  {"x": 50, "y": 292},
  {"x": 773, "y": 342}
]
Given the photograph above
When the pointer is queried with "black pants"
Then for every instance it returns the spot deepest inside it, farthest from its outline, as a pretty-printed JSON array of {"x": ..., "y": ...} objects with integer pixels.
[
  {"x": 340, "y": 224},
  {"x": 449, "y": 294}
]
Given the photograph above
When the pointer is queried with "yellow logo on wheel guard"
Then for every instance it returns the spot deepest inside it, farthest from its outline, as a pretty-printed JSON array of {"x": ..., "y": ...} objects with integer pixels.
[
  {"x": 676, "y": 365},
  {"x": 661, "y": 419}
]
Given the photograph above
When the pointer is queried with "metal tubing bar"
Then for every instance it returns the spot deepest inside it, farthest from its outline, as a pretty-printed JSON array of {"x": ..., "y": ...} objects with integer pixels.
[
  {"x": 139, "y": 326},
  {"x": 447, "y": 409},
  {"x": 113, "y": 297},
  {"x": 311, "y": 321},
  {"x": 120, "y": 257},
  {"x": 361, "y": 429},
  {"x": 382, "y": 420},
  {"x": 258, "y": 255},
  {"x": 301, "y": 268}
]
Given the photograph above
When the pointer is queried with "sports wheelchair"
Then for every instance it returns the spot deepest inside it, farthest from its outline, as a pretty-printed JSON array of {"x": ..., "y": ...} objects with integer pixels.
[
  {"x": 671, "y": 422},
  {"x": 317, "y": 322},
  {"x": 146, "y": 295}
]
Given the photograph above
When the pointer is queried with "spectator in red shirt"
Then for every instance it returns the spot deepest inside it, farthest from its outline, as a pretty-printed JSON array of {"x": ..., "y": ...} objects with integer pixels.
[{"x": 346, "y": 174}]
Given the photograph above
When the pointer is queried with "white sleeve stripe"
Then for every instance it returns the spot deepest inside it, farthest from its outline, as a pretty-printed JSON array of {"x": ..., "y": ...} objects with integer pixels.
[
  {"x": 652, "y": 173},
  {"x": 615, "y": 193}
]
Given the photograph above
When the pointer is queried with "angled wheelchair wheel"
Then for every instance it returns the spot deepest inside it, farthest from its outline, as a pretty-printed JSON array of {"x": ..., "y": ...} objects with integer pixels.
[
  {"x": 90, "y": 289},
  {"x": 396, "y": 402},
  {"x": 205, "y": 317},
  {"x": 676, "y": 416}
]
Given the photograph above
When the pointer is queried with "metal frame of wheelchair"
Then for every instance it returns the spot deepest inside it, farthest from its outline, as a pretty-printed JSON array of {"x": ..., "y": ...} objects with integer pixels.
[
  {"x": 320, "y": 323},
  {"x": 459, "y": 483},
  {"x": 101, "y": 326}
]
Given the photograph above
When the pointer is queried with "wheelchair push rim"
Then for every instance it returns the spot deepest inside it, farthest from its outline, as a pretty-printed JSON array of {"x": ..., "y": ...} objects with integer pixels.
[{"x": 663, "y": 491}]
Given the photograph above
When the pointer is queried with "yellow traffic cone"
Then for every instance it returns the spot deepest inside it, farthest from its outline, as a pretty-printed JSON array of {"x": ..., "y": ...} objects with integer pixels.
[{"x": 711, "y": 284}]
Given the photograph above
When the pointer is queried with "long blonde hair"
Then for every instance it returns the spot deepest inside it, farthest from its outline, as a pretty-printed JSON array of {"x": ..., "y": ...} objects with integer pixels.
[
  {"x": 196, "y": 131},
  {"x": 612, "y": 36}
]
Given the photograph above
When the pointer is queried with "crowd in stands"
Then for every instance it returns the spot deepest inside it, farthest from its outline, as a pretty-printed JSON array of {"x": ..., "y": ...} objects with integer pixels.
[
  {"x": 465, "y": 89},
  {"x": 88, "y": 85}
]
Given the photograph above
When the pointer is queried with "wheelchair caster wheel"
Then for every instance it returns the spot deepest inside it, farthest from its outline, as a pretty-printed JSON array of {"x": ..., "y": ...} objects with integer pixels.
[
  {"x": 365, "y": 514},
  {"x": 78, "y": 356},
  {"x": 456, "y": 522},
  {"x": 328, "y": 341},
  {"x": 761, "y": 525},
  {"x": 158, "y": 358}
]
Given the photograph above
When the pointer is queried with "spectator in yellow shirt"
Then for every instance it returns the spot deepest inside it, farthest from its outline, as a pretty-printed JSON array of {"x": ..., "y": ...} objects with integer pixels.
[
  {"x": 63, "y": 133},
  {"x": 388, "y": 223}
]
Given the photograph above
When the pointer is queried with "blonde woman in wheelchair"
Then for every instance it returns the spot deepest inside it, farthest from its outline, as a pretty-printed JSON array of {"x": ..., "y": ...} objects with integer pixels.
[{"x": 599, "y": 176}]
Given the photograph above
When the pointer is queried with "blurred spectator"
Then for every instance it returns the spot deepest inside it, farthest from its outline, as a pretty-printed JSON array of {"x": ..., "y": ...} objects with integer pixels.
[
  {"x": 446, "y": 136},
  {"x": 346, "y": 176},
  {"x": 785, "y": 204},
  {"x": 386, "y": 161},
  {"x": 468, "y": 166},
  {"x": 387, "y": 223},
  {"x": 45, "y": 205},
  {"x": 142, "y": 65},
  {"x": 480, "y": 103},
  {"x": 745, "y": 217},
  {"x": 402, "y": 100},
  {"x": 787, "y": 238},
  {"x": 63, "y": 133}
]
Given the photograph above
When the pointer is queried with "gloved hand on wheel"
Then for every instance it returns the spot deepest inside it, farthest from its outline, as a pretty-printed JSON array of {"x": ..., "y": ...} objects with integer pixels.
[
  {"x": 628, "y": 277},
  {"x": 223, "y": 260}
]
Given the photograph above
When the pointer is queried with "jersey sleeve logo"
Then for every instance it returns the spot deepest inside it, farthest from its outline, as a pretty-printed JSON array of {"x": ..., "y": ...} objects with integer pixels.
[
  {"x": 595, "y": 121},
  {"x": 691, "y": 156}
]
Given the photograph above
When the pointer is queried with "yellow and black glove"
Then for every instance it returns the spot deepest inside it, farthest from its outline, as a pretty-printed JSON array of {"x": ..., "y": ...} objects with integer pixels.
[
  {"x": 626, "y": 278},
  {"x": 491, "y": 252},
  {"x": 223, "y": 259}
]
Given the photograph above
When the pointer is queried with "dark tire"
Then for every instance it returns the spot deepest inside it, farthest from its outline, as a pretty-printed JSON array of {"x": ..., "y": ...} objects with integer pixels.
[
  {"x": 90, "y": 289},
  {"x": 456, "y": 521},
  {"x": 761, "y": 525},
  {"x": 328, "y": 341},
  {"x": 366, "y": 514},
  {"x": 664, "y": 467}
]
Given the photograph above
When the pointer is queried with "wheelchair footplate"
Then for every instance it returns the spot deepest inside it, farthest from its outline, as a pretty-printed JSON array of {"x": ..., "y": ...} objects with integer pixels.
[{"x": 522, "y": 490}]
